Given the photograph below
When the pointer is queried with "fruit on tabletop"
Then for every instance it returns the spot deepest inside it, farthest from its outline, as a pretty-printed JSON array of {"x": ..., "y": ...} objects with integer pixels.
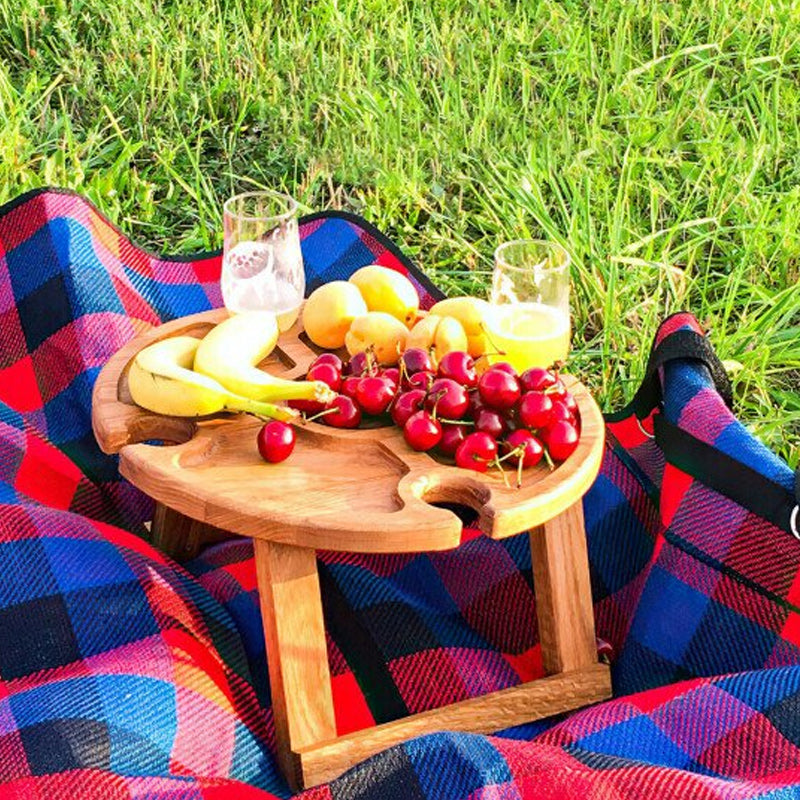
[
  {"x": 535, "y": 409},
  {"x": 350, "y": 385},
  {"x": 374, "y": 394},
  {"x": 498, "y": 389},
  {"x": 406, "y": 404},
  {"x": 329, "y": 312},
  {"x": 361, "y": 364},
  {"x": 161, "y": 379},
  {"x": 561, "y": 439},
  {"x": 503, "y": 366},
  {"x": 522, "y": 445},
  {"x": 230, "y": 352},
  {"x": 275, "y": 441},
  {"x": 329, "y": 358},
  {"x": 476, "y": 452},
  {"x": 343, "y": 412},
  {"x": 487, "y": 420},
  {"x": 327, "y": 373},
  {"x": 447, "y": 399},
  {"x": 460, "y": 367},
  {"x": 452, "y": 436},
  {"x": 392, "y": 374},
  {"x": 438, "y": 336},
  {"x": 387, "y": 290},
  {"x": 380, "y": 332},
  {"x": 537, "y": 379},
  {"x": 422, "y": 431},
  {"x": 419, "y": 380},
  {"x": 473, "y": 314},
  {"x": 415, "y": 359}
]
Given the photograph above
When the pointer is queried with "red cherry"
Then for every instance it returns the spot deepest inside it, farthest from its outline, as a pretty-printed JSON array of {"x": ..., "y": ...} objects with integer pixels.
[
  {"x": 571, "y": 403},
  {"x": 504, "y": 366},
  {"x": 329, "y": 358},
  {"x": 535, "y": 410},
  {"x": 326, "y": 373},
  {"x": 392, "y": 374},
  {"x": 460, "y": 367},
  {"x": 419, "y": 380},
  {"x": 558, "y": 391},
  {"x": 346, "y": 414},
  {"x": 350, "y": 385},
  {"x": 561, "y": 439},
  {"x": 406, "y": 404},
  {"x": 475, "y": 404},
  {"x": 275, "y": 441},
  {"x": 490, "y": 421},
  {"x": 532, "y": 449},
  {"x": 415, "y": 360},
  {"x": 448, "y": 398},
  {"x": 452, "y": 436},
  {"x": 561, "y": 413},
  {"x": 476, "y": 451},
  {"x": 308, "y": 407},
  {"x": 374, "y": 395},
  {"x": 422, "y": 431},
  {"x": 498, "y": 388},
  {"x": 537, "y": 379},
  {"x": 361, "y": 364}
]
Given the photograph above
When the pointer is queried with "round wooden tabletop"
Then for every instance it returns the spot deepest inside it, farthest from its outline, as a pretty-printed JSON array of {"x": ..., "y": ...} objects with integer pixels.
[{"x": 359, "y": 490}]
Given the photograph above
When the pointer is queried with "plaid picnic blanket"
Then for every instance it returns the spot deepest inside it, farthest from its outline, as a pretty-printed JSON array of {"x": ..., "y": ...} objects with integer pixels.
[{"x": 125, "y": 675}]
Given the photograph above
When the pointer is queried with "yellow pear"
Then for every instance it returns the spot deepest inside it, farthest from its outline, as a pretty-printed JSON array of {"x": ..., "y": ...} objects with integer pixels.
[
  {"x": 473, "y": 314},
  {"x": 385, "y": 334},
  {"x": 387, "y": 290},
  {"x": 329, "y": 312}
]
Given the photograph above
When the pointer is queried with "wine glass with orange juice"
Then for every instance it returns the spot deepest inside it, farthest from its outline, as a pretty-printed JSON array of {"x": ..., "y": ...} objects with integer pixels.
[{"x": 530, "y": 320}]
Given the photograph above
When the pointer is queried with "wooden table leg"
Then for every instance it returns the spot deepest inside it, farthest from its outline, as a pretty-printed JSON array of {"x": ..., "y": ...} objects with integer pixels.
[
  {"x": 182, "y": 537},
  {"x": 563, "y": 592},
  {"x": 291, "y": 607}
]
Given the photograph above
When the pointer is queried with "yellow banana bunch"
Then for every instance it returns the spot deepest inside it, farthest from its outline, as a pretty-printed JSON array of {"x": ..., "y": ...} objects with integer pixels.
[
  {"x": 161, "y": 379},
  {"x": 230, "y": 352}
]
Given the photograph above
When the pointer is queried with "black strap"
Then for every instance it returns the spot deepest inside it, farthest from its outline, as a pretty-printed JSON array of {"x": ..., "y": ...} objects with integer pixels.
[
  {"x": 683, "y": 344},
  {"x": 729, "y": 477}
]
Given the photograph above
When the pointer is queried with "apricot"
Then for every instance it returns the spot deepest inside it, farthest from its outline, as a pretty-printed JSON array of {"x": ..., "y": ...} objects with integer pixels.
[
  {"x": 387, "y": 290},
  {"x": 330, "y": 311},
  {"x": 385, "y": 334}
]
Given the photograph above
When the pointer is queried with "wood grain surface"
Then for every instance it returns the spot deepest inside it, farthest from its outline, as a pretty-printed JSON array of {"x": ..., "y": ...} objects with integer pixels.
[{"x": 354, "y": 491}]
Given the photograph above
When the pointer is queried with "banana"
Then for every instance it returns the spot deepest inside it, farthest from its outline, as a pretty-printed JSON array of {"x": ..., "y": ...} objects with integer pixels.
[
  {"x": 231, "y": 350},
  {"x": 160, "y": 379}
]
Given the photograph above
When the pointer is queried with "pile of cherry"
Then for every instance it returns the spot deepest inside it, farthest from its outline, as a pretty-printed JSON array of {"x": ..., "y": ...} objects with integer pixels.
[{"x": 479, "y": 421}]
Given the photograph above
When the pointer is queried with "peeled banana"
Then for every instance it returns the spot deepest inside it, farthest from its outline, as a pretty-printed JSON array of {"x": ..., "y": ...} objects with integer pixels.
[
  {"x": 161, "y": 379},
  {"x": 231, "y": 350}
]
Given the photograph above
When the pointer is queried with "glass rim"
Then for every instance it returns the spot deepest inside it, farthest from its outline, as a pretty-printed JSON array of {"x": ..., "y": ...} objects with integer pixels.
[
  {"x": 282, "y": 217},
  {"x": 500, "y": 260}
]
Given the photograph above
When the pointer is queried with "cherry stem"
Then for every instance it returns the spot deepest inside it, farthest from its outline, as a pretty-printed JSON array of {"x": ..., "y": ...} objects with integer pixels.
[
  {"x": 321, "y": 414},
  {"x": 455, "y": 421},
  {"x": 496, "y": 461},
  {"x": 549, "y": 460}
]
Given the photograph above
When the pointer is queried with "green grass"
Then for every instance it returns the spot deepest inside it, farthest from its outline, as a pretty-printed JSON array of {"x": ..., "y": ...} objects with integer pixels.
[{"x": 658, "y": 141}]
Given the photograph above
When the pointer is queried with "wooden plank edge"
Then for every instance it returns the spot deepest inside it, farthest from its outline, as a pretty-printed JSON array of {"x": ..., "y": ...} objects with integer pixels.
[{"x": 496, "y": 711}]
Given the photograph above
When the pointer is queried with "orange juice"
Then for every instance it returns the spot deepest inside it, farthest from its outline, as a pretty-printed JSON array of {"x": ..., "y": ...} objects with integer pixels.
[{"x": 529, "y": 335}]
